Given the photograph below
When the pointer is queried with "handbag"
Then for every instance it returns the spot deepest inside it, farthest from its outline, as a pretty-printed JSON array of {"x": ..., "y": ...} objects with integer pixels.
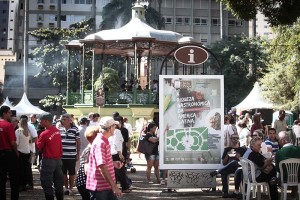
[{"x": 145, "y": 146}]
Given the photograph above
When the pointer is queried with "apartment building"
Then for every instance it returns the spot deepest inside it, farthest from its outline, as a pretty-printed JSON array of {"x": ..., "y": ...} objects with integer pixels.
[
  {"x": 201, "y": 19},
  {"x": 205, "y": 20},
  {"x": 41, "y": 14}
]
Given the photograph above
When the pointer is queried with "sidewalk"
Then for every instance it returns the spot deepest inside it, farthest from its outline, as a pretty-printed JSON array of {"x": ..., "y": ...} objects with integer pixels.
[{"x": 141, "y": 189}]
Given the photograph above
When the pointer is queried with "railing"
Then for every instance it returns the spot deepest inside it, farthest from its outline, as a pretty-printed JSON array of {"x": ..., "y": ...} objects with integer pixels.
[{"x": 118, "y": 97}]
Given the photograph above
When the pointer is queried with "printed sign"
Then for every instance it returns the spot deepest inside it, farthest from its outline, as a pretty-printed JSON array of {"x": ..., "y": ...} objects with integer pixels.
[{"x": 191, "y": 119}]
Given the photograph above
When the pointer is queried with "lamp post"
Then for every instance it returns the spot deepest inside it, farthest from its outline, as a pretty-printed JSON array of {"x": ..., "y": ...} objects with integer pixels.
[{"x": 25, "y": 57}]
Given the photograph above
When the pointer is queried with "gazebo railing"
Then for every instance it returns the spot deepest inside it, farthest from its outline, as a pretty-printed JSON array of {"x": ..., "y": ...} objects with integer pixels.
[{"x": 117, "y": 97}]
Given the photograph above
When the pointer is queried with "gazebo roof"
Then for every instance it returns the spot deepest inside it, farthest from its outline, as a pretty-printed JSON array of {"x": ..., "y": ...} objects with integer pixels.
[
  {"x": 136, "y": 34},
  {"x": 136, "y": 28}
]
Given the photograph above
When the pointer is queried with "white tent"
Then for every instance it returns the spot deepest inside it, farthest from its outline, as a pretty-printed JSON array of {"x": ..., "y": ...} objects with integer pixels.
[
  {"x": 24, "y": 107},
  {"x": 254, "y": 100},
  {"x": 7, "y": 103}
]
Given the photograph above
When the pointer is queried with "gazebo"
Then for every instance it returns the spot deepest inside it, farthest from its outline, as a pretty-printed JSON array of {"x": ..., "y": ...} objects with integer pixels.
[
  {"x": 140, "y": 45},
  {"x": 134, "y": 41}
]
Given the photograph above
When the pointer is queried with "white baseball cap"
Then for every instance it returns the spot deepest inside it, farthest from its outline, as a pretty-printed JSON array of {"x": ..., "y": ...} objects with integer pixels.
[{"x": 106, "y": 122}]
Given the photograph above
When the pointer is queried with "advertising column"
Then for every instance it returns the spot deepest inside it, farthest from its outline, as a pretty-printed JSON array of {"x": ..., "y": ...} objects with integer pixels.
[{"x": 191, "y": 120}]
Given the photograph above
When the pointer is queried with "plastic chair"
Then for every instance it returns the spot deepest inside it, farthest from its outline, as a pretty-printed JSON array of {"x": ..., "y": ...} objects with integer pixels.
[
  {"x": 249, "y": 179},
  {"x": 292, "y": 168}
]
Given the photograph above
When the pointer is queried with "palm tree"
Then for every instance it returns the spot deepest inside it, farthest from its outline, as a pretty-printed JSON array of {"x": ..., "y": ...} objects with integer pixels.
[{"x": 120, "y": 10}]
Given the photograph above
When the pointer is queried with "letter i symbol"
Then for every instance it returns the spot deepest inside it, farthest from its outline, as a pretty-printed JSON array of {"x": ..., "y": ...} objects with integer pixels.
[{"x": 192, "y": 56}]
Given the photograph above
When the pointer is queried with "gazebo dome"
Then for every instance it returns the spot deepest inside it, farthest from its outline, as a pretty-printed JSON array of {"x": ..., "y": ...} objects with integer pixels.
[
  {"x": 136, "y": 28},
  {"x": 122, "y": 41}
]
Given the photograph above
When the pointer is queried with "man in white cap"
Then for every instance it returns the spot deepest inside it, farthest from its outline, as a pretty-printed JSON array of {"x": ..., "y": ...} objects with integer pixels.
[{"x": 100, "y": 174}]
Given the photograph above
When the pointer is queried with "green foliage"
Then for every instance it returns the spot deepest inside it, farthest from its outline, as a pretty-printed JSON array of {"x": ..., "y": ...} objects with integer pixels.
[
  {"x": 119, "y": 11},
  {"x": 109, "y": 78},
  {"x": 51, "y": 57},
  {"x": 51, "y": 101},
  {"x": 276, "y": 11},
  {"x": 281, "y": 83},
  {"x": 243, "y": 61}
]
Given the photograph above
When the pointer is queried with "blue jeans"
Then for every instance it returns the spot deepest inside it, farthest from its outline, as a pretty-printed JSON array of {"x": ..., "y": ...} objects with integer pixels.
[
  {"x": 230, "y": 168},
  {"x": 103, "y": 195}
]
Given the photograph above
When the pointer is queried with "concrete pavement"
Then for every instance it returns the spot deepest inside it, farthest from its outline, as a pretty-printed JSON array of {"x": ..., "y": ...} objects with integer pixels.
[{"x": 141, "y": 189}]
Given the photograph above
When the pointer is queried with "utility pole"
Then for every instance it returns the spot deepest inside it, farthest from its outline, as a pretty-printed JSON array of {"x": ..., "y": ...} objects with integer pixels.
[{"x": 25, "y": 57}]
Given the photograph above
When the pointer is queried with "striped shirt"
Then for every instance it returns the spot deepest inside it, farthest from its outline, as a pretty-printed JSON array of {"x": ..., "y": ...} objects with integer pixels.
[
  {"x": 273, "y": 144},
  {"x": 99, "y": 155},
  {"x": 69, "y": 142}
]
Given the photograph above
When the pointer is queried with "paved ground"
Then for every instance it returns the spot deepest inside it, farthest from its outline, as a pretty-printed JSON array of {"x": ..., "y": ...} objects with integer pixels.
[{"x": 140, "y": 188}]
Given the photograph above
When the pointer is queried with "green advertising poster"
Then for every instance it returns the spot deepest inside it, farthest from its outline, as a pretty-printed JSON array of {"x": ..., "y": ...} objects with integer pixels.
[{"x": 191, "y": 121}]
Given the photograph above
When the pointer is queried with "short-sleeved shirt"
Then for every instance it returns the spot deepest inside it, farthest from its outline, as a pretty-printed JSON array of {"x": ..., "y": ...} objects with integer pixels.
[
  {"x": 69, "y": 142},
  {"x": 49, "y": 142},
  {"x": 7, "y": 134},
  {"x": 99, "y": 155},
  {"x": 273, "y": 144},
  {"x": 155, "y": 149}
]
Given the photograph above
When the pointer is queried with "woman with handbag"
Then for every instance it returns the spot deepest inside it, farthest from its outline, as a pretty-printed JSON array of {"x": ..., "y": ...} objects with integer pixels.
[{"x": 153, "y": 158}]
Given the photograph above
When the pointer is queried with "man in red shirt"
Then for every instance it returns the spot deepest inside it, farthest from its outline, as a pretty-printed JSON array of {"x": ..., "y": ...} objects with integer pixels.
[
  {"x": 8, "y": 155},
  {"x": 49, "y": 143},
  {"x": 100, "y": 174}
]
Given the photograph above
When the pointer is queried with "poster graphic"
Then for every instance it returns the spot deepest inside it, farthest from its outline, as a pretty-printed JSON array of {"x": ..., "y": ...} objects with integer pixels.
[{"x": 191, "y": 118}]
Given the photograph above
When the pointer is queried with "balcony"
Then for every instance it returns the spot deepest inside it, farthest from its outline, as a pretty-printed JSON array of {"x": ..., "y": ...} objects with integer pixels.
[{"x": 142, "y": 97}]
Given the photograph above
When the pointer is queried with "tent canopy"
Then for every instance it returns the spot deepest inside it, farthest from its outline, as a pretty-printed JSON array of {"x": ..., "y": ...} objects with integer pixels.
[
  {"x": 24, "y": 107},
  {"x": 254, "y": 100},
  {"x": 7, "y": 103}
]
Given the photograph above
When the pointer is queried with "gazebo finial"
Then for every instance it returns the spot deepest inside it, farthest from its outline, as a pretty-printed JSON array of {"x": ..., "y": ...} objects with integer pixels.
[{"x": 138, "y": 10}]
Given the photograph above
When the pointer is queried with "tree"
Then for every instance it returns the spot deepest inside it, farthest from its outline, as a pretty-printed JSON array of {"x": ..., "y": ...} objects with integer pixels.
[
  {"x": 108, "y": 79},
  {"x": 119, "y": 11},
  {"x": 277, "y": 11},
  {"x": 51, "y": 57},
  {"x": 243, "y": 60},
  {"x": 281, "y": 83}
]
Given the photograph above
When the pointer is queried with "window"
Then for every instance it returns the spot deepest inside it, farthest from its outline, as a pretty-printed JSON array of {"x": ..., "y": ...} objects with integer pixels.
[
  {"x": 11, "y": 10},
  {"x": 4, "y": 11},
  {"x": 167, "y": 3},
  {"x": 204, "y": 38},
  {"x": 168, "y": 20},
  {"x": 187, "y": 21},
  {"x": 203, "y": 22},
  {"x": 40, "y": 1},
  {"x": 179, "y": 20},
  {"x": 66, "y": 1},
  {"x": 215, "y": 22},
  {"x": 204, "y": 4},
  {"x": 239, "y": 22},
  {"x": 231, "y": 22},
  {"x": 40, "y": 17},
  {"x": 53, "y": 1},
  {"x": 196, "y": 21},
  {"x": 79, "y": 18},
  {"x": 83, "y": 1}
]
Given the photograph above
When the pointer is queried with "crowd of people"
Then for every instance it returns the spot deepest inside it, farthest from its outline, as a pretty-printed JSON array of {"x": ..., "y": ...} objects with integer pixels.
[
  {"x": 250, "y": 138},
  {"x": 89, "y": 154}
]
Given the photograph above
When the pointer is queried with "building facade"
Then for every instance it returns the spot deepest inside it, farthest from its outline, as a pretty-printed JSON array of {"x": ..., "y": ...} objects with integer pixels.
[{"x": 207, "y": 21}]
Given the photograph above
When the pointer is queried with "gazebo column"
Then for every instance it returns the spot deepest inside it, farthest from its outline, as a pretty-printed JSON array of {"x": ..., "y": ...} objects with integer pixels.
[
  {"x": 68, "y": 79},
  {"x": 82, "y": 74},
  {"x": 93, "y": 77},
  {"x": 149, "y": 70},
  {"x": 126, "y": 72}
]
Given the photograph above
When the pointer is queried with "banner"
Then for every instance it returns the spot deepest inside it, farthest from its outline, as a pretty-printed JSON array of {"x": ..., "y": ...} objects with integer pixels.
[{"x": 191, "y": 121}]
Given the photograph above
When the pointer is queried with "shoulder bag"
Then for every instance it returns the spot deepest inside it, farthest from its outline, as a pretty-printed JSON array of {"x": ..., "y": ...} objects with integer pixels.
[{"x": 145, "y": 146}]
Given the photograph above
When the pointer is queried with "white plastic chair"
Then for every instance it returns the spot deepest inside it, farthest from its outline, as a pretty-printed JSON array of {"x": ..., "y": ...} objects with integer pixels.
[
  {"x": 292, "y": 167},
  {"x": 249, "y": 179}
]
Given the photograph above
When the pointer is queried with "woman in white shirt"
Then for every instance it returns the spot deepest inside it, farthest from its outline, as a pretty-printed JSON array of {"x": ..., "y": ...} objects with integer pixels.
[{"x": 23, "y": 146}]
